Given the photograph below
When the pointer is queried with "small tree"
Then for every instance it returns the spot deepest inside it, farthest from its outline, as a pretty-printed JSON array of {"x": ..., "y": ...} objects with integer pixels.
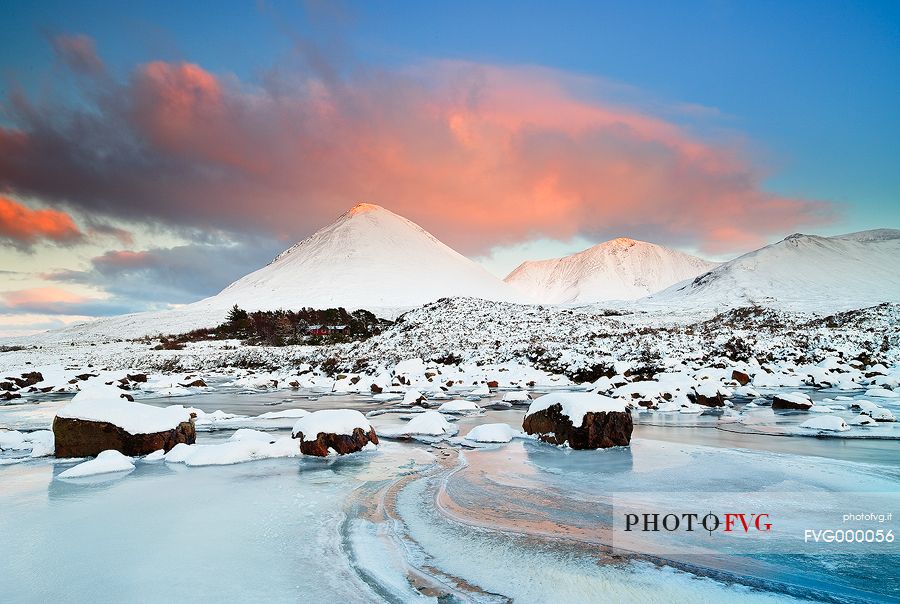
[{"x": 237, "y": 316}]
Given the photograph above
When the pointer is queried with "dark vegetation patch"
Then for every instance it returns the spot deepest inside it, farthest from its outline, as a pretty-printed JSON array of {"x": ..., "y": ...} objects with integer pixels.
[{"x": 306, "y": 326}]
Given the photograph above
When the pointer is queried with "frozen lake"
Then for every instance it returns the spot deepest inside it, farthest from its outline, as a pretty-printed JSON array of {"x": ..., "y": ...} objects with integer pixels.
[{"x": 414, "y": 521}]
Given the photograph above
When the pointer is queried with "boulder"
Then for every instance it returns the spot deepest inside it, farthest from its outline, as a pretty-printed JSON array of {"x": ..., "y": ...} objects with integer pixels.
[
  {"x": 791, "y": 401},
  {"x": 740, "y": 377},
  {"x": 604, "y": 422},
  {"x": 493, "y": 384},
  {"x": 28, "y": 379},
  {"x": 342, "y": 430},
  {"x": 102, "y": 417},
  {"x": 198, "y": 383},
  {"x": 707, "y": 399},
  {"x": 84, "y": 438}
]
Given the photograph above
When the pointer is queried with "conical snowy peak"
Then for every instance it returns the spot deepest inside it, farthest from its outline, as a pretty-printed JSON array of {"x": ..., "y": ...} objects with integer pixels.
[
  {"x": 368, "y": 258},
  {"x": 802, "y": 272},
  {"x": 619, "y": 269}
]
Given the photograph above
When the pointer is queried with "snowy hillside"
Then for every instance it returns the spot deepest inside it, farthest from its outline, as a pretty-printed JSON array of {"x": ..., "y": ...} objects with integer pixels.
[
  {"x": 801, "y": 272},
  {"x": 620, "y": 269},
  {"x": 368, "y": 258}
]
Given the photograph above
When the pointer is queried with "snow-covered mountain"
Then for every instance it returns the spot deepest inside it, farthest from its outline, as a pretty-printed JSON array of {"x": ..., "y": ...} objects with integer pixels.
[
  {"x": 368, "y": 258},
  {"x": 620, "y": 269},
  {"x": 801, "y": 272}
]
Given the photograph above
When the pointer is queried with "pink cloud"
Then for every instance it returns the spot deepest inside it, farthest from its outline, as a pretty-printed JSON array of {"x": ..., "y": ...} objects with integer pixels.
[
  {"x": 479, "y": 154},
  {"x": 78, "y": 52},
  {"x": 24, "y": 226},
  {"x": 39, "y": 297}
]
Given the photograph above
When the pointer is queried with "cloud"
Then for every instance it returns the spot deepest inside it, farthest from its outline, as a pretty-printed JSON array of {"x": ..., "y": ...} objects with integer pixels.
[
  {"x": 154, "y": 278},
  {"x": 79, "y": 52},
  {"x": 481, "y": 155},
  {"x": 56, "y": 301},
  {"x": 23, "y": 226}
]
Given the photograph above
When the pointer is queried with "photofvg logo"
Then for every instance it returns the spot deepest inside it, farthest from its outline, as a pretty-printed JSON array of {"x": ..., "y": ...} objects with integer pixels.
[
  {"x": 710, "y": 522},
  {"x": 665, "y": 523}
]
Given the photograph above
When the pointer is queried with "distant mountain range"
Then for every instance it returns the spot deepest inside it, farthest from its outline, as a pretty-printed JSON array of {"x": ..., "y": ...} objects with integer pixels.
[
  {"x": 801, "y": 272},
  {"x": 374, "y": 259}
]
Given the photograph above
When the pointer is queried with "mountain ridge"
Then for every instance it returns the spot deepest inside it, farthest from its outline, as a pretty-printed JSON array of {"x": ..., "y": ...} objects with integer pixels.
[{"x": 618, "y": 269}]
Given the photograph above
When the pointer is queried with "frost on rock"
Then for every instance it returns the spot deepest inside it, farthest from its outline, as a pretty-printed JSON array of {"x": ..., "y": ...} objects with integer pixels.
[{"x": 105, "y": 463}]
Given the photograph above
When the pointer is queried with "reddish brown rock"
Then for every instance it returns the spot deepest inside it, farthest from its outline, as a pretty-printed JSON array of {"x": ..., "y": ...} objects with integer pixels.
[
  {"x": 342, "y": 443},
  {"x": 707, "y": 401},
  {"x": 597, "y": 431},
  {"x": 28, "y": 379},
  {"x": 740, "y": 377},
  {"x": 198, "y": 383},
  {"x": 376, "y": 389},
  {"x": 82, "y": 438},
  {"x": 493, "y": 384},
  {"x": 780, "y": 402}
]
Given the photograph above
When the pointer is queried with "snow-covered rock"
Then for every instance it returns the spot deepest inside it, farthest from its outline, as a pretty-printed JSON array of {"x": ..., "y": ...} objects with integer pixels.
[
  {"x": 581, "y": 420},
  {"x": 459, "y": 407},
  {"x": 828, "y": 423},
  {"x": 106, "y": 462},
  {"x": 102, "y": 403},
  {"x": 339, "y": 430},
  {"x": 492, "y": 433},
  {"x": 518, "y": 396},
  {"x": 98, "y": 419},
  {"x": 882, "y": 393},
  {"x": 791, "y": 400},
  {"x": 429, "y": 423}
]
